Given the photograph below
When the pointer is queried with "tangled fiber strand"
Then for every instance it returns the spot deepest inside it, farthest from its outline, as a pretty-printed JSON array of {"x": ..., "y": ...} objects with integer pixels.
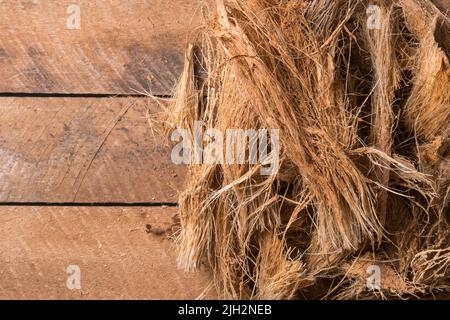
[{"x": 363, "y": 169}]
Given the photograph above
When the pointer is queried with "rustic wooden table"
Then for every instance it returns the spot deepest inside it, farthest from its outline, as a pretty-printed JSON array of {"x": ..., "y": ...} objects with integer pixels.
[{"x": 76, "y": 149}]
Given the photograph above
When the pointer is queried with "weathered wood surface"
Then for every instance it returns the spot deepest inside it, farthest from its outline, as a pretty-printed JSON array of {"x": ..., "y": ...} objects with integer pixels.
[
  {"x": 121, "y": 46},
  {"x": 117, "y": 257},
  {"x": 84, "y": 150}
]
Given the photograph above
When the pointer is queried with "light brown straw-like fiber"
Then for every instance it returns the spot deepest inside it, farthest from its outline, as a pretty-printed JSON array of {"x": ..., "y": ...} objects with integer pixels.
[{"x": 364, "y": 120}]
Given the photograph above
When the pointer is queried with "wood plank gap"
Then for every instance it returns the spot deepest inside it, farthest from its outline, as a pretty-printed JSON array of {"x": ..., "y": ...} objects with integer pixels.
[
  {"x": 84, "y": 204},
  {"x": 79, "y": 95}
]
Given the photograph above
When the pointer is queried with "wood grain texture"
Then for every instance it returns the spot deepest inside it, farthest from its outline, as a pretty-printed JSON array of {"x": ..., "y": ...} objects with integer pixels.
[
  {"x": 117, "y": 258},
  {"x": 121, "y": 46},
  {"x": 84, "y": 150}
]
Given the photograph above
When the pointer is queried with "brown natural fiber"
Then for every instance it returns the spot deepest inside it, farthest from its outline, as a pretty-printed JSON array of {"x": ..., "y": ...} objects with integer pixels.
[{"x": 364, "y": 168}]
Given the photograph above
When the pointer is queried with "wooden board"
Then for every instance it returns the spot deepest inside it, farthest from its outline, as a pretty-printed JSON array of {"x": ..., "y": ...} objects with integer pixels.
[
  {"x": 84, "y": 150},
  {"x": 121, "y": 46},
  {"x": 117, "y": 258}
]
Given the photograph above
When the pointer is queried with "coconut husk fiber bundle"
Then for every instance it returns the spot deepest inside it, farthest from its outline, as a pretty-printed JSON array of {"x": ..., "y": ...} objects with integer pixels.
[{"x": 364, "y": 159}]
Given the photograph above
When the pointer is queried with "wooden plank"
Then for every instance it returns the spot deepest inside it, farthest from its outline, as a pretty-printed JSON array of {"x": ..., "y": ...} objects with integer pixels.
[
  {"x": 116, "y": 256},
  {"x": 121, "y": 46},
  {"x": 84, "y": 150}
]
